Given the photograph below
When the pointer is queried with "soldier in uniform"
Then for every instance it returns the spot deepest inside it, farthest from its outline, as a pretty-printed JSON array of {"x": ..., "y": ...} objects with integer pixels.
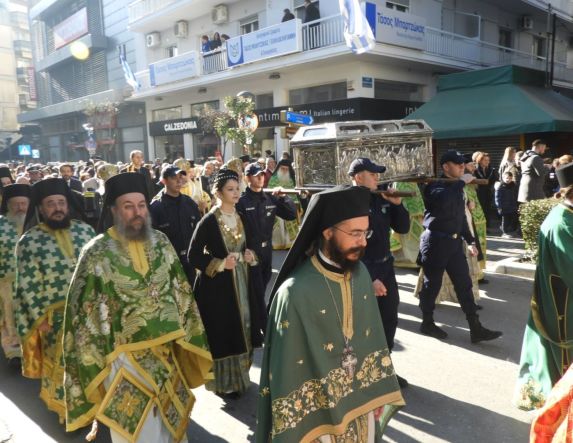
[
  {"x": 441, "y": 248},
  {"x": 260, "y": 210},
  {"x": 385, "y": 214}
]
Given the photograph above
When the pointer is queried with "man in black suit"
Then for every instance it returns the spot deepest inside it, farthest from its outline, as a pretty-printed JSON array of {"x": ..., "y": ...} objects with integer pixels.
[
  {"x": 67, "y": 173},
  {"x": 311, "y": 12},
  {"x": 137, "y": 166}
]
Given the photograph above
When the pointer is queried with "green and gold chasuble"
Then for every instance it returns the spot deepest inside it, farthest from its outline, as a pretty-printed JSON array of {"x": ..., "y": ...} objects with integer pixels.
[
  {"x": 306, "y": 391},
  {"x": 45, "y": 262},
  {"x": 285, "y": 231},
  {"x": 547, "y": 350},
  {"x": 405, "y": 247},
  {"x": 130, "y": 306},
  {"x": 9, "y": 235},
  {"x": 480, "y": 223}
]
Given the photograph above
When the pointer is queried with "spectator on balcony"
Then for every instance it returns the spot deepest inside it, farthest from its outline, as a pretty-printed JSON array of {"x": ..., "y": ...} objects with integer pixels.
[
  {"x": 224, "y": 38},
  {"x": 287, "y": 15},
  {"x": 215, "y": 42},
  {"x": 205, "y": 46},
  {"x": 311, "y": 12}
]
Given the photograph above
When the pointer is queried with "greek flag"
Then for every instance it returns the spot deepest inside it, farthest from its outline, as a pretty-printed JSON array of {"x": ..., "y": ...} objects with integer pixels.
[
  {"x": 127, "y": 72},
  {"x": 357, "y": 32}
]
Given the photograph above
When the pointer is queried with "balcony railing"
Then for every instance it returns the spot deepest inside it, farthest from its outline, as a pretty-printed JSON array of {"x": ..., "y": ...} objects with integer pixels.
[
  {"x": 142, "y": 8},
  {"x": 329, "y": 31}
]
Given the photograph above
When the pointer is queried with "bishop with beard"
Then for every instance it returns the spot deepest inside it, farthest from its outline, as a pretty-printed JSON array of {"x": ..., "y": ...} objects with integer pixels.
[
  {"x": 46, "y": 257},
  {"x": 134, "y": 343},
  {"x": 12, "y": 215}
]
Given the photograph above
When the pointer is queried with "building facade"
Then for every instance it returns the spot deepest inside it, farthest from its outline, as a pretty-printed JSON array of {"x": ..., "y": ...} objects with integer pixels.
[
  {"x": 80, "y": 82},
  {"x": 17, "y": 87},
  {"x": 307, "y": 66}
]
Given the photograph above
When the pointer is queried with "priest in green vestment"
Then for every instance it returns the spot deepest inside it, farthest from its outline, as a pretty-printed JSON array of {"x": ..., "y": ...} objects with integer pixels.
[
  {"x": 327, "y": 374},
  {"x": 15, "y": 202},
  {"x": 46, "y": 256},
  {"x": 134, "y": 343},
  {"x": 547, "y": 350}
]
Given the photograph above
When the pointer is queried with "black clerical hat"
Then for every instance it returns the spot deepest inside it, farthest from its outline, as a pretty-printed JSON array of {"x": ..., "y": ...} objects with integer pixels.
[
  {"x": 5, "y": 172},
  {"x": 12, "y": 191},
  {"x": 565, "y": 175},
  {"x": 325, "y": 210}
]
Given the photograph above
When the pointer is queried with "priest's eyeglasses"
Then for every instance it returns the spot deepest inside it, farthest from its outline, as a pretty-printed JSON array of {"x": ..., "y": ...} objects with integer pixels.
[{"x": 357, "y": 235}]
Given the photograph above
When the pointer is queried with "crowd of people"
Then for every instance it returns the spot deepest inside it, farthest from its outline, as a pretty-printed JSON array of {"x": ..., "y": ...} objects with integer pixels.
[{"x": 124, "y": 286}]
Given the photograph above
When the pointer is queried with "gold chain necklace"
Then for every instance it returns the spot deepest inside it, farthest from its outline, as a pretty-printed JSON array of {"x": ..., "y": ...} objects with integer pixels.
[{"x": 349, "y": 360}]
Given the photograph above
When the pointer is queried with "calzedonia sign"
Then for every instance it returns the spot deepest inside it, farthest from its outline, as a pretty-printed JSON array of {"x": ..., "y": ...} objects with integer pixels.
[{"x": 172, "y": 127}]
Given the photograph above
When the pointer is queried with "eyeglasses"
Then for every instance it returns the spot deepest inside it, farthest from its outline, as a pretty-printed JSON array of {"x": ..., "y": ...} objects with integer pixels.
[{"x": 357, "y": 235}]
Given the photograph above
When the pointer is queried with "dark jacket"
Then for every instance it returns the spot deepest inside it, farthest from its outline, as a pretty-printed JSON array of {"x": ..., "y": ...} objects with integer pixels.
[
  {"x": 288, "y": 16},
  {"x": 383, "y": 217},
  {"x": 311, "y": 13},
  {"x": 533, "y": 172},
  {"x": 177, "y": 217},
  {"x": 260, "y": 210},
  {"x": 506, "y": 198},
  {"x": 76, "y": 185},
  {"x": 445, "y": 209},
  {"x": 216, "y": 297}
]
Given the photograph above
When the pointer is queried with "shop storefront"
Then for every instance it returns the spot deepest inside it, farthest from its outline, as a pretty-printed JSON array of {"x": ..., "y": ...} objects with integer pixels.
[
  {"x": 358, "y": 108},
  {"x": 168, "y": 136}
]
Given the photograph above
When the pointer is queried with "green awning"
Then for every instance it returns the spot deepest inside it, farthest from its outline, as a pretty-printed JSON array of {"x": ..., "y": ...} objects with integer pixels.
[{"x": 498, "y": 101}]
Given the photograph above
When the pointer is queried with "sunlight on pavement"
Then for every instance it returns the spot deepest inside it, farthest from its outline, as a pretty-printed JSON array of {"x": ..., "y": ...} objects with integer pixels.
[{"x": 26, "y": 430}]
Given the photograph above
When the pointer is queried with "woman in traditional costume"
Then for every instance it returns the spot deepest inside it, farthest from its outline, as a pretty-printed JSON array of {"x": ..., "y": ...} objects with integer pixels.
[
  {"x": 227, "y": 287},
  {"x": 547, "y": 350}
]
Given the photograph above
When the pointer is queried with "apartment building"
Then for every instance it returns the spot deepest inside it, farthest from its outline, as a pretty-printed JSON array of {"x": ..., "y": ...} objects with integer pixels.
[
  {"x": 308, "y": 67},
  {"x": 80, "y": 83},
  {"x": 17, "y": 87}
]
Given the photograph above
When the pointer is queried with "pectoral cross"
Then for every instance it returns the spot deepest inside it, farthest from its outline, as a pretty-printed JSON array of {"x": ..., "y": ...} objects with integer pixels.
[{"x": 349, "y": 361}]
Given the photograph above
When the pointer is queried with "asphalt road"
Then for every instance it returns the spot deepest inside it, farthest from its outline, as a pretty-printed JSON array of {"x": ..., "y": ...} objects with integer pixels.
[{"x": 458, "y": 392}]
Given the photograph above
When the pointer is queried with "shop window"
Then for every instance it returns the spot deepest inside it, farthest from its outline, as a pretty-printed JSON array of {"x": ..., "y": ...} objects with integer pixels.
[
  {"x": 399, "y": 5},
  {"x": 505, "y": 38},
  {"x": 389, "y": 90},
  {"x": 333, "y": 91},
  {"x": 206, "y": 144},
  {"x": 159, "y": 115},
  {"x": 249, "y": 24}
]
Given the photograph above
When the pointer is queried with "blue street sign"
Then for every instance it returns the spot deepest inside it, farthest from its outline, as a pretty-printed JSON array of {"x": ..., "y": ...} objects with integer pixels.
[{"x": 298, "y": 119}]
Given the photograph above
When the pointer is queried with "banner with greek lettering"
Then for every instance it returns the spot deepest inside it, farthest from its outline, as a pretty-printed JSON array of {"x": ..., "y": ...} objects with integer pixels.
[
  {"x": 173, "y": 69},
  {"x": 395, "y": 27},
  {"x": 280, "y": 39}
]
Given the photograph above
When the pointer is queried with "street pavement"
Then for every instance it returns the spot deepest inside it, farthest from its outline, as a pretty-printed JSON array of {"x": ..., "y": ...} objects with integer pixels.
[{"x": 459, "y": 392}]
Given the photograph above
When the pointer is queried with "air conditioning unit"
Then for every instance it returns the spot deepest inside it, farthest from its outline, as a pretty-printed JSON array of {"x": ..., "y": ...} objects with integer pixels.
[
  {"x": 220, "y": 14},
  {"x": 153, "y": 39},
  {"x": 181, "y": 29},
  {"x": 525, "y": 22}
]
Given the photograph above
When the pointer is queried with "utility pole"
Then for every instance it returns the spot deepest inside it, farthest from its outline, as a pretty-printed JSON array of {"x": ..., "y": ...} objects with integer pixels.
[{"x": 547, "y": 47}]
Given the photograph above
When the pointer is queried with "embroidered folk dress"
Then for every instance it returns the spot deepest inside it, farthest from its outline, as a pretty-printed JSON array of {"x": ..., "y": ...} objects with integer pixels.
[
  {"x": 134, "y": 343},
  {"x": 405, "y": 247},
  {"x": 305, "y": 391},
  {"x": 547, "y": 350},
  {"x": 285, "y": 231},
  {"x": 9, "y": 235},
  {"x": 221, "y": 293},
  {"x": 45, "y": 262}
]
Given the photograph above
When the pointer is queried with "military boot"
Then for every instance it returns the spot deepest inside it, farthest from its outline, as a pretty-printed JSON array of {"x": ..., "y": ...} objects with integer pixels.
[
  {"x": 479, "y": 333},
  {"x": 428, "y": 327}
]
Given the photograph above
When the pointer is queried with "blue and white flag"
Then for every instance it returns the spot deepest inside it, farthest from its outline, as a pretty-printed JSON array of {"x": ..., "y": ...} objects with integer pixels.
[
  {"x": 357, "y": 32},
  {"x": 128, "y": 73}
]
